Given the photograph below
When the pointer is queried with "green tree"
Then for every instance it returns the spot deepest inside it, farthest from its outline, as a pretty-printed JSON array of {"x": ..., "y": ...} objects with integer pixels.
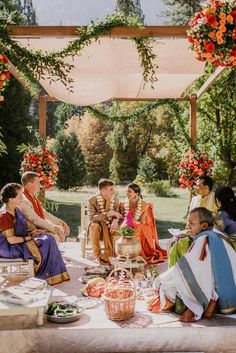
[
  {"x": 151, "y": 134},
  {"x": 97, "y": 153},
  {"x": 16, "y": 122},
  {"x": 65, "y": 111},
  {"x": 179, "y": 12},
  {"x": 217, "y": 126},
  {"x": 152, "y": 169},
  {"x": 130, "y": 7},
  {"x": 70, "y": 160},
  {"x": 15, "y": 119}
]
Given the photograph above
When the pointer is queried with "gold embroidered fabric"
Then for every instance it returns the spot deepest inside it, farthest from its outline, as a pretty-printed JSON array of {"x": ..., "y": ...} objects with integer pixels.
[
  {"x": 9, "y": 233},
  {"x": 94, "y": 211}
]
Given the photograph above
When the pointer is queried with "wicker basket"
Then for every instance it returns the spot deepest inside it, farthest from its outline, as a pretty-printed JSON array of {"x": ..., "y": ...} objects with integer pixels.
[{"x": 119, "y": 299}]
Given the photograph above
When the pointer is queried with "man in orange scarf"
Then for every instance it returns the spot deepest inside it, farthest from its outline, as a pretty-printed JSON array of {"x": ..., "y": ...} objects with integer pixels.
[{"x": 35, "y": 213}]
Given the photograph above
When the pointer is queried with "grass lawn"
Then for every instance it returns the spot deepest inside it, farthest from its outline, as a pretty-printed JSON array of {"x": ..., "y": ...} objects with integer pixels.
[{"x": 169, "y": 211}]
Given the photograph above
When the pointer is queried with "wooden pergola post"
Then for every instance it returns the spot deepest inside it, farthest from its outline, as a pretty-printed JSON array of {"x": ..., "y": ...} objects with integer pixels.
[
  {"x": 42, "y": 115},
  {"x": 193, "y": 118}
]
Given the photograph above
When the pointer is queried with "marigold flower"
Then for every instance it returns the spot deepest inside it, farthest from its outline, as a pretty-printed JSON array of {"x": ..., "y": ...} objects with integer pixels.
[
  {"x": 222, "y": 15},
  {"x": 212, "y": 9},
  {"x": 220, "y": 40},
  {"x": 222, "y": 29},
  {"x": 219, "y": 34},
  {"x": 234, "y": 34},
  {"x": 212, "y": 35}
]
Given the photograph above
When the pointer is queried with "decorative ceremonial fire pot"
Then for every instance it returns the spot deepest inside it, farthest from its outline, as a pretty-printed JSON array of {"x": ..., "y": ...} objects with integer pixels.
[{"x": 127, "y": 246}]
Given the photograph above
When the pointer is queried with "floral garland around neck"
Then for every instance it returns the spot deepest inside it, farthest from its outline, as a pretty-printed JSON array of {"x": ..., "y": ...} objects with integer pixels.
[
  {"x": 101, "y": 205},
  {"x": 138, "y": 211}
]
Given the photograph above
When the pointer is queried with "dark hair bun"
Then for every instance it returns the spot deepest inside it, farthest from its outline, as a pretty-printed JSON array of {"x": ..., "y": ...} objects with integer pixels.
[{"x": 9, "y": 191}]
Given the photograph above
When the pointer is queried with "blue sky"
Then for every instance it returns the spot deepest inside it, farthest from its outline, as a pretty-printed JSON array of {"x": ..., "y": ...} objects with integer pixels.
[{"x": 81, "y": 12}]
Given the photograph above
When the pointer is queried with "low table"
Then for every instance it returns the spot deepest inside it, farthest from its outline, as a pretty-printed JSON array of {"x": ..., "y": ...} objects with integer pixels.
[
  {"x": 34, "y": 308},
  {"x": 133, "y": 265},
  {"x": 14, "y": 267}
]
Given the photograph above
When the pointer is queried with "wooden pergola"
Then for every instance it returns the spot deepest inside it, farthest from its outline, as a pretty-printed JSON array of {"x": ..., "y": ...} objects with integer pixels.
[{"x": 118, "y": 32}]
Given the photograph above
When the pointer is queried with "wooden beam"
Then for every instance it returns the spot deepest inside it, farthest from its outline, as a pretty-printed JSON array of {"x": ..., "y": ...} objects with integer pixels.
[
  {"x": 210, "y": 80},
  {"x": 120, "y": 99},
  {"x": 193, "y": 118},
  {"x": 42, "y": 115},
  {"x": 47, "y": 98},
  {"x": 137, "y": 99},
  {"x": 124, "y": 32}
]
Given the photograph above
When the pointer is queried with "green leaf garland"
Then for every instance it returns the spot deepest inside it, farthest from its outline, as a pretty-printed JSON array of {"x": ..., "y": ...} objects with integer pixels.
[{"x": 36, "y": 65}]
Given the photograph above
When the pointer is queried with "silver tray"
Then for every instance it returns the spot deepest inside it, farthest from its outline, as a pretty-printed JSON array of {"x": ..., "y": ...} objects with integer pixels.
[
  {"x": 65, "y": 320},
  {"x": 98, "y": 270}
]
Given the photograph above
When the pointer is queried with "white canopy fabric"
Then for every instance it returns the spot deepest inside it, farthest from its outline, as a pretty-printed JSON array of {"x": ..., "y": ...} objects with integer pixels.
[{"x": 110, "y": 69}]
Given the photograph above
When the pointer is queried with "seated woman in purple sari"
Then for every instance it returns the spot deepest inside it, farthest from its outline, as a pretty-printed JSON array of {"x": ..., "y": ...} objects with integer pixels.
[
  {"x": 226, "y": 216},
  {"x": 17, "y": 242}
]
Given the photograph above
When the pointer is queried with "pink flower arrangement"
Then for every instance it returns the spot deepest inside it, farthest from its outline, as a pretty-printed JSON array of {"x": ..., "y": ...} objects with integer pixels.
[
  {"x": 194, "y": 164},
  {"x": 4, "y": 73},
  {"x": 41, "y": 161},
  {"x": 127, "y": 228},
  {"x": 213, "y": 33}
]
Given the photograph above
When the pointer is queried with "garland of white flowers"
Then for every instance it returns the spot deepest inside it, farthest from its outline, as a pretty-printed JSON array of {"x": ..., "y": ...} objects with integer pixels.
[
  {"x": 101, "y": 205},
  {"x": 138, "y": 211}
]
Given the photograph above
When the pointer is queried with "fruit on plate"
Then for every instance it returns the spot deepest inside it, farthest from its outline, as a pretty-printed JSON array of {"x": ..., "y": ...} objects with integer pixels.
[{"x": 94, "y": 288}]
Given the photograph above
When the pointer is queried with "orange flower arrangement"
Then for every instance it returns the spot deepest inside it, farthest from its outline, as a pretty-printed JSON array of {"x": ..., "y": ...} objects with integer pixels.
[
  {"x": 4, "y": 73},
  {"x": 194, "y": 164},
  {"x": 41, "y": 161},
  {"x": 213, "y": 33}
]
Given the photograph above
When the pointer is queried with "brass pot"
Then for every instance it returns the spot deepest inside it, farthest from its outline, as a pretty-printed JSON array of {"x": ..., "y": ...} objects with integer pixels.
[{"x": 127, "y": 247}]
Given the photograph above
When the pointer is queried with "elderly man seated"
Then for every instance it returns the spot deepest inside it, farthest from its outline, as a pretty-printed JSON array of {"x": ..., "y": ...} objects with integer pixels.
[
  {"x": 35, "y": 213},
  {"x": 179, "y": 245},
  {"x": 205, "y": 277}
]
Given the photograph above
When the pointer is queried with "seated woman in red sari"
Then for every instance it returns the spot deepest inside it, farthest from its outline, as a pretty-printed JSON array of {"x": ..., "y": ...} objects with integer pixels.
[
  {"x": 145, "y": 226},
  {"x": 17, "y": 242}
]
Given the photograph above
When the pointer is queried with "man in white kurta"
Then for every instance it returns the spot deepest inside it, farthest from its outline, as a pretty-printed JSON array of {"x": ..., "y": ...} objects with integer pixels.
[
  {"x": 35, "y": 213},
  {"x": 195, "y": 277},
  {"x": 205, "y": 196}
]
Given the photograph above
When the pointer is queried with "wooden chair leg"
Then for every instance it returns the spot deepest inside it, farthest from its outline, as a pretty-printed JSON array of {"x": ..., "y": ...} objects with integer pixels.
[{"x": 82, "y": 246}]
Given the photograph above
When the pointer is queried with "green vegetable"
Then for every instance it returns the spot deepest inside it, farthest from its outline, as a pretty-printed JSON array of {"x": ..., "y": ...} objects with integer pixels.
[
  {"x": 126, "y": 231},
  {"x": 62, "y": 310}
]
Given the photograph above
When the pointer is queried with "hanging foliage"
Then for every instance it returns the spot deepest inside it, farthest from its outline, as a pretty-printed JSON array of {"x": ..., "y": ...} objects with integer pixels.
[
  {"x": 36, "y": 65},
  {"x": 173, "y": 104},
  {"x": 106, "y": 117}
]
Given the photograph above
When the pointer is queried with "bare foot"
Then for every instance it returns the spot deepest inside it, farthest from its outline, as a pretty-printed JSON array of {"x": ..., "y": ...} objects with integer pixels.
[{"x": 188, "y": 316}]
